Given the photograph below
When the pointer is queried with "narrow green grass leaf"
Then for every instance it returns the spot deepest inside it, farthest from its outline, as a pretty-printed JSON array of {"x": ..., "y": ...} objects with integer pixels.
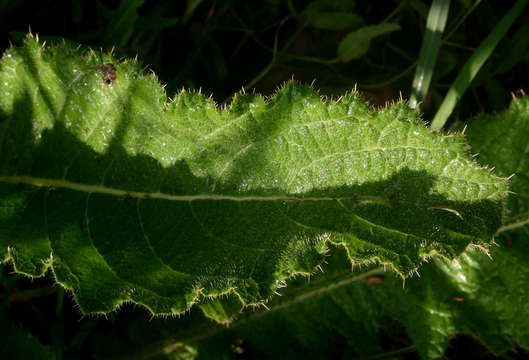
[
  {"x": 473, "y": 65},
  {"x": 431, "y": 43}
]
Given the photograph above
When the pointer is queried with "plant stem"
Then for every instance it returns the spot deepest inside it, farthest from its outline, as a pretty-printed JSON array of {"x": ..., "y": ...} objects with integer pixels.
[
  {"x": 389, "y": 354},
  {"x": 462, "y": 20},
  {"x": 402, "y": 53},
  {"x": 391, "y": 80},
  {"x": 395, "y": 11}
]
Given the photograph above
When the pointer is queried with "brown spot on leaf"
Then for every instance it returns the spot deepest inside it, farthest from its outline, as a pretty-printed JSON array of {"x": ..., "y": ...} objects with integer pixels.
[
  {"x": 108, "y": 72},
  {"x": 375, "y": 280},
  {"x": 458, "y": 299}
]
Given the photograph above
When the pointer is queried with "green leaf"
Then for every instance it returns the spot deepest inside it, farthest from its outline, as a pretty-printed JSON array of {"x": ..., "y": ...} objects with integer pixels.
[
  {"x": 473, "y": 295},
  {"x": 501, "y": 142},
  {"x": 431, "y": 43},
  {"x": 483, "y": 296},
  {"x": 129, "y": 197},
  {"x": 489, "y": 295},
  {"x": 479, "y": 295},
  {"x": 322, "y": 15},
  {"x": 356, "y": 43}
]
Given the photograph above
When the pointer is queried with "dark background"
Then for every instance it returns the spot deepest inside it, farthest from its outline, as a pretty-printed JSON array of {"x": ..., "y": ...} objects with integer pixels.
[{"x": 222, "y": 46}]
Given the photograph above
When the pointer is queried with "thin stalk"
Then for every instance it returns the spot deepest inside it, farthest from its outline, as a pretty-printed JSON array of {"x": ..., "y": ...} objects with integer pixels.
[
  {"x": 435, "y": 25},
  {"x": 474, "y": 64},
  {"x": 395, "y": 11},
  {"x": 272, "y": 62},
  {"x": 459, "y": 46},
  {"x": 462, "y": 20},
  {"x": 393, "y": 353},
  {"x": 293, "y": 38},
  {"x": 390, "y": 80},
  {"x": 291, "y": 8},
  {"x": 402, "y": 53}
]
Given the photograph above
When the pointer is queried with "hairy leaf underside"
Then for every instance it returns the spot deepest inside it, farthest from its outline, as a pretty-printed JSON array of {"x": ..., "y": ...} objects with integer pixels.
[
  {"x": 129, "y": 197},
  {"x": 485, "y": 296},
  {"x": 481, "y": 295}
]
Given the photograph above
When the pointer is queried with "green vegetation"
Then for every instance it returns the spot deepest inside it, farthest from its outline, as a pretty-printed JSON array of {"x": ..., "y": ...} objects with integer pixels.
[{"x": 308, "y": 224}]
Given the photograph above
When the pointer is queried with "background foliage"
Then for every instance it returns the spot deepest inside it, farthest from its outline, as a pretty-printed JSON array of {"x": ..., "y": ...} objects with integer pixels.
[{"x": 221, "y": 46}]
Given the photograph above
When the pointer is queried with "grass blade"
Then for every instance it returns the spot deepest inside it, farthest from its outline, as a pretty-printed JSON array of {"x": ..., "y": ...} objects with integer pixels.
[
  {"x": 472, "y": 66},
  {"x": 435, "y": 25}
]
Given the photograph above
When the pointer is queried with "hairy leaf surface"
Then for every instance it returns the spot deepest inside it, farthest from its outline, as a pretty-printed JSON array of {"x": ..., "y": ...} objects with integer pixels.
[
  {"x": 480, "y": 295},
  {"x": 129, "y": 197},
  {"x": 502, "y": 141},
  {"x": 485, "y": 296}
]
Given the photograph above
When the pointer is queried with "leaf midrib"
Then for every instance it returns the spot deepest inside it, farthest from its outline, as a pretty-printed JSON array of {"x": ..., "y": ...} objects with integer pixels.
[{"x": 59, "y": 183}]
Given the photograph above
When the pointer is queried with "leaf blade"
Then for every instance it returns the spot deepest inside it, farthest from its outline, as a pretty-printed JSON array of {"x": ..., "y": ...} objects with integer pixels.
[
  {"x": 164, "y": 204},
  {"x": 356, "y": 43},
  {"x": 431, "y": 43}
]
